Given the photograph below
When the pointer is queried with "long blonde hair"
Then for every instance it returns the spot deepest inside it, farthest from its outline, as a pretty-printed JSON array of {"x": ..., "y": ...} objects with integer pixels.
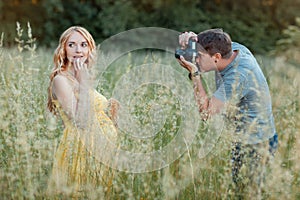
[{"x": 60, "y": 58}]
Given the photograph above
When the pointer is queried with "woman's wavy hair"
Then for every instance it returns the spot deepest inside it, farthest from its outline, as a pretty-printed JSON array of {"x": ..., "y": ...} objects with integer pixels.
[{"x": 60, "y": 59}]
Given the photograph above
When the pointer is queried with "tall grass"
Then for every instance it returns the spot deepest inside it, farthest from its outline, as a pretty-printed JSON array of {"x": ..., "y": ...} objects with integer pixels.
[{"x": 29, "y": 135}]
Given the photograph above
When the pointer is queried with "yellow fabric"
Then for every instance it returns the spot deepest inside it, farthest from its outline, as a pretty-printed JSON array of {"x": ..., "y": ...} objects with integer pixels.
[{"x": 76, "y": 169}]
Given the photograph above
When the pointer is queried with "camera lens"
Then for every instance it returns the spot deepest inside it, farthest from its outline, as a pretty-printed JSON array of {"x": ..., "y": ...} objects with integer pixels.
[{"x": 179, "y": 52}]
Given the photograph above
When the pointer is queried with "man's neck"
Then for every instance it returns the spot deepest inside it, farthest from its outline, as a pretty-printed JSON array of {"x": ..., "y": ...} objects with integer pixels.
[{"x": 225, "y": 62}]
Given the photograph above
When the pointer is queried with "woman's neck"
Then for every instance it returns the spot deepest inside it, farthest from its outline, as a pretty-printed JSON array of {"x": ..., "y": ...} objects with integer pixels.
[{"x": 71, "y": 70}]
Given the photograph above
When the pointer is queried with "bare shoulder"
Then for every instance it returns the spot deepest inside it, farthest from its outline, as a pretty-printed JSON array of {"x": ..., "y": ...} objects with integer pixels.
[
  {"x": 59, "y": 78},
  {"x": 61, "y": 83}
]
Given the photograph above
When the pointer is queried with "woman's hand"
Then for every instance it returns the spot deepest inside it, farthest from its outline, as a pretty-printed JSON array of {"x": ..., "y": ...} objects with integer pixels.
[
  {"x": 83, "y": 106},
  {"x": 81, "y": 71},
  {"x": 114, "y": 107}
]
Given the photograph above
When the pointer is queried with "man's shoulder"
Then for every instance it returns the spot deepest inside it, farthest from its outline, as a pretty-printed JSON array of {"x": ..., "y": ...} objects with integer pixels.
[
  {"x": 242, "y": 48},
  {"x": 245, "y": 58}
]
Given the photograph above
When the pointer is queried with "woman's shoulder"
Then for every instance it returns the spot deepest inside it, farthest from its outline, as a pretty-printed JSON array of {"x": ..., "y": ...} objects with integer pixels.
[
  {"x": 62, "y": 81},
  {"x": 59, "y": 77},
  {"x": 63, "y": 77}
]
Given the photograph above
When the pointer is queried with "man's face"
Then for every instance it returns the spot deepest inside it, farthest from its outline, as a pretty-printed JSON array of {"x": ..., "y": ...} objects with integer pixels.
[{"x": 206, "y": 62}]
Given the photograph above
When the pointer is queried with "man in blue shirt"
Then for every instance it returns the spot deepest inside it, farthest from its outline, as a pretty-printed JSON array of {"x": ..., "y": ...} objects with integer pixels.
[{"x": 241, "y": 87}]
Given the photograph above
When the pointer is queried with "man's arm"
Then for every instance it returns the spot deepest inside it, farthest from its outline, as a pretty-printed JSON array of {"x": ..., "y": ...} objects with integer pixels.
[{"x": 206, "y": 106}]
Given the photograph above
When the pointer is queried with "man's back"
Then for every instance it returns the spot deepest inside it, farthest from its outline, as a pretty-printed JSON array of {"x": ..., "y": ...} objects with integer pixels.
[{"x": 244, "y": 85}]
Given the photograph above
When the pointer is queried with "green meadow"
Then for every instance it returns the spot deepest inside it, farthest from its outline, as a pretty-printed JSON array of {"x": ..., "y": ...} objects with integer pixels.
[{"x": 30, "y": 134}]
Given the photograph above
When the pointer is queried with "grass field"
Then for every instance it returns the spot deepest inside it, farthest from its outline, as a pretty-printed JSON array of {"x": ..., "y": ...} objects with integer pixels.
[{"x": 30, "y": 134}]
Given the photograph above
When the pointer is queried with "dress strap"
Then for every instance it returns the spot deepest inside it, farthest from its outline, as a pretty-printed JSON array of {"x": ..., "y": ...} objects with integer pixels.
[{"x": 69, "y": 76}]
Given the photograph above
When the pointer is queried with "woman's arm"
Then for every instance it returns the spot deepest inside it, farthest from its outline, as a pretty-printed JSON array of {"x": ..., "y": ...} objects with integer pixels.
[
  {"x": 77, "y": 109},
  {"x": 63, "y": 91}
]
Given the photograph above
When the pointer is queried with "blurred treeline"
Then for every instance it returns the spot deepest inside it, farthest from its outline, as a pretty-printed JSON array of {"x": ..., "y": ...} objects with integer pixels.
[{"x": 256, "y": 23}]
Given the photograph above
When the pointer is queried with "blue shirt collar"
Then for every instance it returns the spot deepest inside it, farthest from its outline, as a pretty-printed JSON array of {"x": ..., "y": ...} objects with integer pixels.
[{"x": 235, "y": 61}]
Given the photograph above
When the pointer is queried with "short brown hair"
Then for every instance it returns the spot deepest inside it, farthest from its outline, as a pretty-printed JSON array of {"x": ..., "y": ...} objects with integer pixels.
[{"x": 215, "y": 41}]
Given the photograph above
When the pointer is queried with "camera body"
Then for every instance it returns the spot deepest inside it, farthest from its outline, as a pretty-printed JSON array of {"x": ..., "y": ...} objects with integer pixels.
[{"x": 188, "y": 53}]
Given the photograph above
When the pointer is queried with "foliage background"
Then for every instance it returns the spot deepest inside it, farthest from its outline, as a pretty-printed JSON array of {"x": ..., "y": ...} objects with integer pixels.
[
  {"x": 257, "y": 23},
  {"x": 29, "y": 136}
]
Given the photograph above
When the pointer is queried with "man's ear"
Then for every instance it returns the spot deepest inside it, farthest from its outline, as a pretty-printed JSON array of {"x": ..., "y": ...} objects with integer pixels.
[{"x": 217, "y": 57}]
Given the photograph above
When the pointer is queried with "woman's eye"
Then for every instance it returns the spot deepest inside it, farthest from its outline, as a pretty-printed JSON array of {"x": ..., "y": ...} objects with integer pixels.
[
  {"x": 70, "y": 45},
  {"x": 84, "y": 44}
]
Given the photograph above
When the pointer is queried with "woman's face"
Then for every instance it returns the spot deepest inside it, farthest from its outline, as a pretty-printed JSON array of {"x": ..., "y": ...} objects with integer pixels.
[{"x": 77, "y": 48}]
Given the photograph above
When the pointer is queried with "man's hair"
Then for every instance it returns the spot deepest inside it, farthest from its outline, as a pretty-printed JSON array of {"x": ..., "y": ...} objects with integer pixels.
[{"x": 215, "y": 41}]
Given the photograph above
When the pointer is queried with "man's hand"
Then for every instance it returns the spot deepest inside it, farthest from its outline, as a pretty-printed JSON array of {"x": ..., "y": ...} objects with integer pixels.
[
  {"x": 184, "y": 38},
  {"x": 183, "y": 41},
  {"x": 192, "y": 68}
]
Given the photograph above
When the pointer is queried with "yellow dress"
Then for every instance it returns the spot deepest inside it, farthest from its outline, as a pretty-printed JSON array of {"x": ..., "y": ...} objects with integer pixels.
[{"x": 77, "y": 169}]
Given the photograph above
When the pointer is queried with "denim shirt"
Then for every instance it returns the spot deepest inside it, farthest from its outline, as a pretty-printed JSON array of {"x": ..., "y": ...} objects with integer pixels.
[{"x": 242, "y": 85}]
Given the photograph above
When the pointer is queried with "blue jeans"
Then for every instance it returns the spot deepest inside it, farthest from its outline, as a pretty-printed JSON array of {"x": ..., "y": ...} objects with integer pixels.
[
  {"x": 248, "y": 155},
  {"x": 273, "y": 144}
]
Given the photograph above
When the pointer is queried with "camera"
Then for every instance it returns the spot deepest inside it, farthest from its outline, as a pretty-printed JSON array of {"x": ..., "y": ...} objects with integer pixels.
[{"x": 188, "y": 53}]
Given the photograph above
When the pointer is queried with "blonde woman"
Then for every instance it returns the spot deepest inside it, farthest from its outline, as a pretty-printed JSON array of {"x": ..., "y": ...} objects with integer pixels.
[{"x": 84, "y": 112}]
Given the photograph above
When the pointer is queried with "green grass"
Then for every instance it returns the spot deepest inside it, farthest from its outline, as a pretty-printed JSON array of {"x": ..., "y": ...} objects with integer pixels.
[{"x": 30, "y": 134}]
